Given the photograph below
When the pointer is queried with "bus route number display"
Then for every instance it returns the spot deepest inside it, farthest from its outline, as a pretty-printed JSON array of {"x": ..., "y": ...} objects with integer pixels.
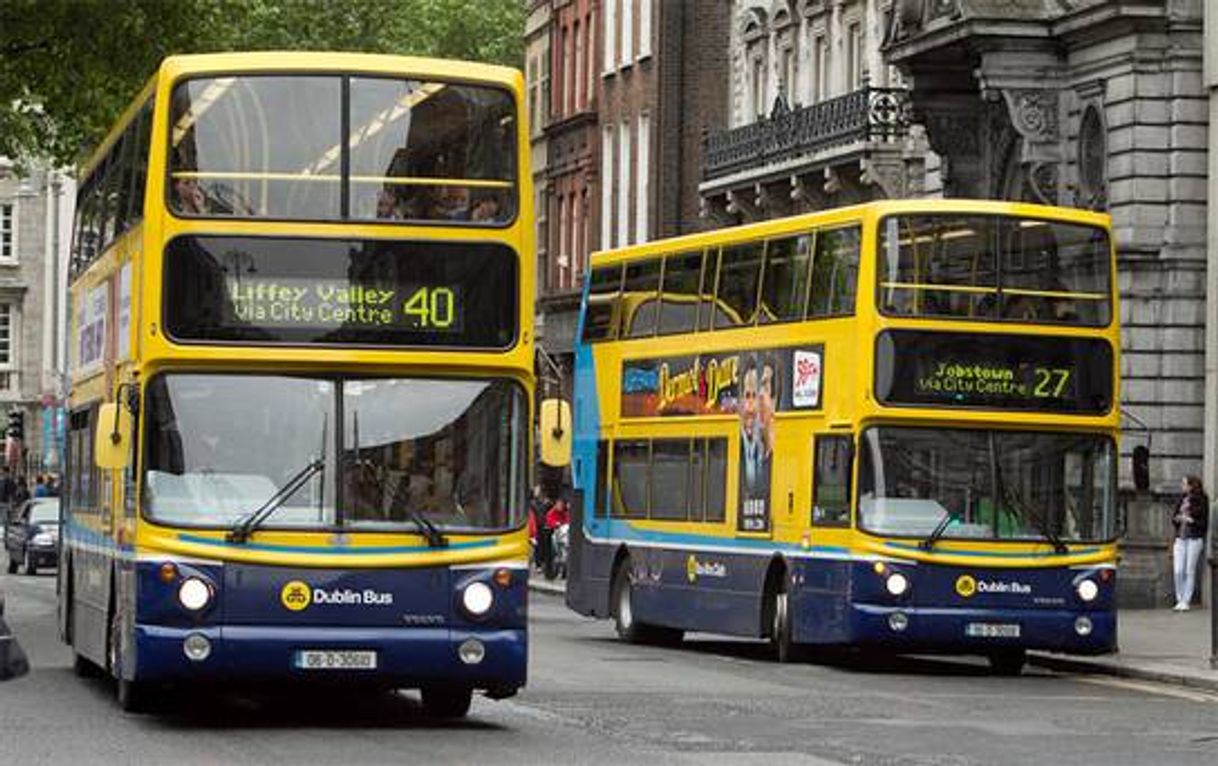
[
  {"x": 285, "y": 302},
  {"x": 1012, "y": 372}
]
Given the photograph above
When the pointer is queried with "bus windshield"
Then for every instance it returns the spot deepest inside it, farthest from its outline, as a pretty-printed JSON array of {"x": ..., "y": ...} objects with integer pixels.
[
  {"x": 978, "y": 484},
  {"x": 218, "y": 447},
  {"x": 994, "y": 268},
  {"x": 273, "y": 146}
]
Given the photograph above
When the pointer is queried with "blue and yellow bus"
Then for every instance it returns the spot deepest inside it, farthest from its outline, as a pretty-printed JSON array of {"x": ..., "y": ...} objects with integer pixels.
[
  {"x": 890, "y": 425},
  {"x": 302, "y": 305}
]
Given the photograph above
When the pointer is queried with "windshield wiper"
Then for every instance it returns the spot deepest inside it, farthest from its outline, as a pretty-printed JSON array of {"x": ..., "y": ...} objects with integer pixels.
[
  {"x": 241, "y": 531},
  {"x": 938, "y": 532},
  {"x": 428, "y": 527},
  {"x": 1041, "y": 524}
]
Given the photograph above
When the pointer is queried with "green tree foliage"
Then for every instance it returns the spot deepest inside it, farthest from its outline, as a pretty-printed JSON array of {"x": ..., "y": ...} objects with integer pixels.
[{"x": 68, "y": 67}]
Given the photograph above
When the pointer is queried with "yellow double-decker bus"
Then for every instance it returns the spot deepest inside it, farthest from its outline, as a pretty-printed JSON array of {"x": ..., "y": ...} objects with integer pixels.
[
  {"x": 892, "y": 425},
  {"x": 302, "y": 304}
]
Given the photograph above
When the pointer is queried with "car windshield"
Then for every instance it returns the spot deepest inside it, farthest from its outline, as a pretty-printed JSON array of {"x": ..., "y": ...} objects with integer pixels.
[
  {"x": 45, "y": 512},
  {"x": 986, "y": 484},
  {"x": 218, "y": 447}
]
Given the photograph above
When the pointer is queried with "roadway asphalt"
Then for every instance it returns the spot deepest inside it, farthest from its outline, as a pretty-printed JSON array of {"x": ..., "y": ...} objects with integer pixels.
[{"x": 592, "y": 699}]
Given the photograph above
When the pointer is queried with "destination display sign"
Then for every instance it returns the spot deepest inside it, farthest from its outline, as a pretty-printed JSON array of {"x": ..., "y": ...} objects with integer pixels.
[
  {"x": 361, "y": 292},
  {"x": 293, "y": 301},
  {"x": 1008, "y": 372}
]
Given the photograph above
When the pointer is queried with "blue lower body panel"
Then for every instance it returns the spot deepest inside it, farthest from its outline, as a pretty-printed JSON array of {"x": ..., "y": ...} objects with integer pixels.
[
  {"x": 945, "y": 629},
  {"x": 406, "y": 657}
]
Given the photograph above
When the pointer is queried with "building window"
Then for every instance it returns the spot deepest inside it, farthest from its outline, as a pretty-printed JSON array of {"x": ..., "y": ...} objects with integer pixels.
[
  {"x": 534, "y": 98},
  {"x": 8, "y": 232},
  {"x": 590, "y": 64},
  {"x": 561, "y": 259},
  {"x": 854, "y": 56},
  {"x": 8, "y": 365},
  {"x": 610, "y": 57},
  {"x": 645, "y": 29},
  {"x": 577, "y": 240},
  {"x": 544, "y": 117},
  {"x": 607, "y": 151},
  {"x": 788, "y": 74},
  {"x": 759, "y": 87},
  {"x": 820, "y": 74},
  {"x": 578, "y": 100},
  {"x": 623, "y": 186},
  {"x": 627, "y": 32},
  {"x": 565, "y": 52},
  {"x": 644, "y": 179}
]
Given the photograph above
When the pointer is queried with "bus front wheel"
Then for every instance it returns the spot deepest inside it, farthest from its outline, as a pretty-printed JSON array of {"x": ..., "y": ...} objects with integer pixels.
[
  {"x": 133, "y": 696},
  {"x": 446, "y": 701},
  {"x": 1009, "y": 662}
]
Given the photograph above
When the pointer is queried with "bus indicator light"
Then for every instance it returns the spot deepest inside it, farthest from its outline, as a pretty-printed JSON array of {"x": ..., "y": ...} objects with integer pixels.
[
  {"x": 168, "y": 572},
  {"x": 503, "y": 577}
]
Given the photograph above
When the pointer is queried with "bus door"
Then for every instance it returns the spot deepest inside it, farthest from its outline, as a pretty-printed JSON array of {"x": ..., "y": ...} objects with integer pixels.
[{"x": 819, "y": 610}]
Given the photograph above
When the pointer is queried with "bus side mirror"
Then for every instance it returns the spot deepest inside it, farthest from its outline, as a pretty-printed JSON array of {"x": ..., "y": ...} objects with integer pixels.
[
  {"x": 555, "y": 426},
  {"x": 112, "y": 439},
  {"x": 1141, "y": 467}
]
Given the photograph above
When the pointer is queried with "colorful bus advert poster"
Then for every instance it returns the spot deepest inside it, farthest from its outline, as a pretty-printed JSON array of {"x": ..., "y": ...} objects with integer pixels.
[{"x": 709, "y": 384}]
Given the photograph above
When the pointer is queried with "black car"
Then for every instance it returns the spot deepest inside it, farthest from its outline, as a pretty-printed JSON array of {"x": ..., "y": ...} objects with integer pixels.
[{"x": 31, "y": 536}]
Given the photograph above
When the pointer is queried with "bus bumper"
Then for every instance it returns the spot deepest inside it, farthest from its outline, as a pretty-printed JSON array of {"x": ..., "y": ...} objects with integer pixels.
[
  {"x": 405, "y": 657},
  {"x": 981, "y": 631}
]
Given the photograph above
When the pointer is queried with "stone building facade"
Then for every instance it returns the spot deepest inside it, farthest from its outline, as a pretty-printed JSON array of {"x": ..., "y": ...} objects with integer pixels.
[
  {"x": 35, "y": 214},
  {"x": 816, "y": 118},
  {"x": 1097, "y": 105}
]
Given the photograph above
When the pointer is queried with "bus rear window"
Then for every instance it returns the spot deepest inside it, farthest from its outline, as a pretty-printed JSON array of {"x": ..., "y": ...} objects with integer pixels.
[
  {"x": 273, "y": 146},
  {"x": 994, "y": 268}
]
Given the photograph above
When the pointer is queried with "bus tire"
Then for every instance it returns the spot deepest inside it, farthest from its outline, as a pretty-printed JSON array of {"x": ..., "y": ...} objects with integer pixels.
[
  {"x": 12, "y": 565},
  {"x": 83, "y": 667},
  {"x": 1008, "y": 662},
  {"x": 628, "y": 628},
  {"x": 446, "y": 701},
  {"x": 132, "y": 696},
  {"x": 31, "y": 568},
  {"x": 784, "y": 648}
]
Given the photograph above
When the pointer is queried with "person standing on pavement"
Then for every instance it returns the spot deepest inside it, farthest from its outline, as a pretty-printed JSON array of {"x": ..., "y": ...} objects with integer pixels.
[{"x": 1191, "y": 521}]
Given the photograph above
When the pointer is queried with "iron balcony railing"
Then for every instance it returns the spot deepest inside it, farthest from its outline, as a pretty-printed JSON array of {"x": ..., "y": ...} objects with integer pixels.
[{"x": 867, "y": 114}]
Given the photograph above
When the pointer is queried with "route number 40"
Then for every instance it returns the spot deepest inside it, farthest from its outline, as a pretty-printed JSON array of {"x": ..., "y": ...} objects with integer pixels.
[{"x": 431, "y": 307}]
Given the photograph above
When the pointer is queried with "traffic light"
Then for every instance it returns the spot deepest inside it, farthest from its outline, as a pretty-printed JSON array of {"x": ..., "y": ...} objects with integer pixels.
[{"x": 16, "y": 424}]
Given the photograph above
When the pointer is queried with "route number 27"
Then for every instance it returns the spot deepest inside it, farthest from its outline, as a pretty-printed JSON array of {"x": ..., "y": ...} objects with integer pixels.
[{"x": 1050, "y": 382}]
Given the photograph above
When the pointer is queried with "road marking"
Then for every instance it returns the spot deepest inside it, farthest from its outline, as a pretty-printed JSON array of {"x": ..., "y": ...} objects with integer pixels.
[{"x": 1149, "y": 687}]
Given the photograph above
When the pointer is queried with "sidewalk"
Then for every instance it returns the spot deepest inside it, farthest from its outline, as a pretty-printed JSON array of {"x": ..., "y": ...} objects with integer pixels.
[{"x": 1155, "y": 645}]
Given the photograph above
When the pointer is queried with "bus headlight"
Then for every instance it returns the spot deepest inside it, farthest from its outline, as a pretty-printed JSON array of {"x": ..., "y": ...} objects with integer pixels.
[
  {"x": 196, "y": 647},
  {"x": 1082, "y": 626},
  {"x": 896, "y": 583},
  {"x": 194, "y": 594},
  {"x": 477, "y": 598},
  {"x": 1087, "y": 590}
]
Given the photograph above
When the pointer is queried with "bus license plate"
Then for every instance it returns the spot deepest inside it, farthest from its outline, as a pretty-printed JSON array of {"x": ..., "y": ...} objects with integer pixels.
[
  {"x": 991, "y": 630},
  {"x": 315, "y": 659}
]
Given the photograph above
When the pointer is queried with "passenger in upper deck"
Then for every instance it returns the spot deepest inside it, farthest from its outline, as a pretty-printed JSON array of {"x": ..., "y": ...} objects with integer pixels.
[{"x": 188, "y": 196}]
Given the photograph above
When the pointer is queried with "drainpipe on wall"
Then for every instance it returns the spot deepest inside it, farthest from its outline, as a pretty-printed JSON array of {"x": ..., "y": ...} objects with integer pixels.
[{"x": 1210, "y": 71}]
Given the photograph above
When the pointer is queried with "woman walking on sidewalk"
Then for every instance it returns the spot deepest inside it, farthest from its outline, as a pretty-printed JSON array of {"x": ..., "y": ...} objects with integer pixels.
[{"x": 1191, "y": 520}]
